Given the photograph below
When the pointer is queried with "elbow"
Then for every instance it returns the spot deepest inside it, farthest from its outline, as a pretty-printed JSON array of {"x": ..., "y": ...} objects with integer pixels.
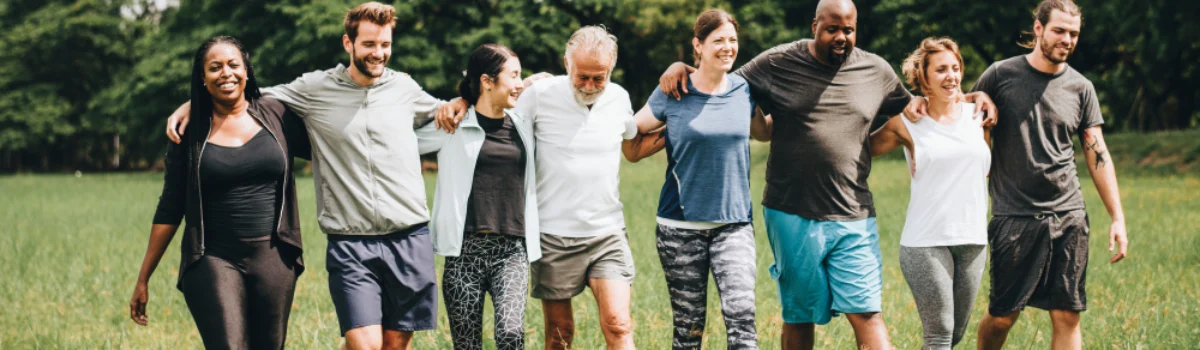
[{"x": 632, "y": 157}]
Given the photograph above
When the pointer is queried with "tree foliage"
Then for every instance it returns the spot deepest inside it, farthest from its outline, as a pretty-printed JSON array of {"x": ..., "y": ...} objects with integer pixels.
[{"x": 84, "y": 81}]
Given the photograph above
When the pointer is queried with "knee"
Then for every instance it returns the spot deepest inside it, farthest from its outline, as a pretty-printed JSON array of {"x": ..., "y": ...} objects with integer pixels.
[
  {"x": 870, "y": 319},
  {"x": 1064, "y": 319},
  {"x": 1000, "y": 323},
  {"x": 560, "y": 329},
  {"x": 618, "y": 326}
]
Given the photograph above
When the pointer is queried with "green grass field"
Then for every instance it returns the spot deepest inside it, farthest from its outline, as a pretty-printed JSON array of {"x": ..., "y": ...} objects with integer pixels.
[{"x": 71, "y": 247}]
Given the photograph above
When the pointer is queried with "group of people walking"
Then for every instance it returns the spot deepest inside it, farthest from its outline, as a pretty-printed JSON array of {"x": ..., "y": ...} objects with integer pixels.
[{"x": 527, "y": 191}]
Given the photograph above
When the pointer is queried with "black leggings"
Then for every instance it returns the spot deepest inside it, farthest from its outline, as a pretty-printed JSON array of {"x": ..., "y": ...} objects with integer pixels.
[{"x": 240, "y": 294}]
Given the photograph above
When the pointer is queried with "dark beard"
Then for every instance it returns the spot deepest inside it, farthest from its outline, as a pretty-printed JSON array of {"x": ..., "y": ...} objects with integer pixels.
[
  {"x": 361, "y": 64},
  {"x": 1048, "y": 49},
  {"x": 836, "y": 59}
]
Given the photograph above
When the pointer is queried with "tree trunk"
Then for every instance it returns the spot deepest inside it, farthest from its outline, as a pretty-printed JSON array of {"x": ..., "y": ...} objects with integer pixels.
[{"x": 116, "y": 152}]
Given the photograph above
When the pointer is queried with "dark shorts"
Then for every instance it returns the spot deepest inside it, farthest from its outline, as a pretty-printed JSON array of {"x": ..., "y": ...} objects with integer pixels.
[
  {"x": 1039, "y": 261},
  {"x": 383, "y": 280}
]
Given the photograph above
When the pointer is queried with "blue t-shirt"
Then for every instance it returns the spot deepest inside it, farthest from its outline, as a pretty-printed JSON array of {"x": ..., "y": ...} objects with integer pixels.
[{"x": 708, "y": 154}]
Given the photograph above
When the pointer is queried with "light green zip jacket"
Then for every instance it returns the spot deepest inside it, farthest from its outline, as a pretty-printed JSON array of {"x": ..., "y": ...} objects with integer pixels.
[
  {"x": 456, "y": 174},
  {"x": 366, "y": 145}
]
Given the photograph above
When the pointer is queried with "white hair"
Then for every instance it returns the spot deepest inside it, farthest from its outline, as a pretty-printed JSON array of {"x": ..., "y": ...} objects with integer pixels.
[{"x": 595, "y": 40}]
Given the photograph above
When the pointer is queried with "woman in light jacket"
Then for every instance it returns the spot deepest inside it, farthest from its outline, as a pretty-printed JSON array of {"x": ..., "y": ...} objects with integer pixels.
[{"x": 485, "y": 206}]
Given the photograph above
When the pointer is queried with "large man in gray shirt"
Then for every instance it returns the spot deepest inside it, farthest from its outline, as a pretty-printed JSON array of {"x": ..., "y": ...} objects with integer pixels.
[
  {"x": 822, "y": 95},
  {"x": 369, "y": 189}
]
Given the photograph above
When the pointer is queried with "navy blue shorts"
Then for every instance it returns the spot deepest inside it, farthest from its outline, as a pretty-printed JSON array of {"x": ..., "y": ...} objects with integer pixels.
[{"x": 383, "y": 280}]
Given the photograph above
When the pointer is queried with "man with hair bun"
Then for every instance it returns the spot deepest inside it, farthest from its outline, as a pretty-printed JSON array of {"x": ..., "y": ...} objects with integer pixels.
[{"x": 1039, "y": 229}]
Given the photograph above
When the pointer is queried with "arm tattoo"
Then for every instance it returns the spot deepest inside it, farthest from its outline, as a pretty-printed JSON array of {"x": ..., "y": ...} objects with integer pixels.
[{"x": 1091, "y": 143}]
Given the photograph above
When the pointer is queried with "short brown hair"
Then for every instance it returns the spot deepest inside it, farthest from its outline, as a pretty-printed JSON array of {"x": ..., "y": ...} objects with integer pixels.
[
  {"x": 709, "y": 21},
  {"x": 1043, "y": 11},
  {"x": 374, "y": 12},
  {"x": 914, "y": 65}
]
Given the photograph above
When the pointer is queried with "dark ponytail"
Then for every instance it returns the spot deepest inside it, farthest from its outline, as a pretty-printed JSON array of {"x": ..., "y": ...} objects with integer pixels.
[{"x": 487, "y": 59}]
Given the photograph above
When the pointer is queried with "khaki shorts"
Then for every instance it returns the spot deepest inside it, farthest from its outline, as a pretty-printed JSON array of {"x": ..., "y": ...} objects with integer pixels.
[{"x": 568, "y": 262}]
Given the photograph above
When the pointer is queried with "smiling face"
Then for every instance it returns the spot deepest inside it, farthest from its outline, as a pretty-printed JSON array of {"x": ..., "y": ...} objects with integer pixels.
[
  {"x": 943, "y": 75},
  {"x": 225, "y": 74},
  {"x": 719, "y": 49},
  {"x": 589, "y": 71},
  {"x": 1056, "y": 39},
  {"x": 835, "y": 33},
  {"x": 371, "y": 48},
  {"x": 503, "y": 89}
]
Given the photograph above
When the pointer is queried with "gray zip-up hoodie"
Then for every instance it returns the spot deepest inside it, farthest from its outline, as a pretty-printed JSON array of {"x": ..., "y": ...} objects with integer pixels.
[{"x": 366, "y": 145}]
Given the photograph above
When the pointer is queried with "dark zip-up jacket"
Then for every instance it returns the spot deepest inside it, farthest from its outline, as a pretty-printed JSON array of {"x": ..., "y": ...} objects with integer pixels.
[{"x": 181, "y": 195}]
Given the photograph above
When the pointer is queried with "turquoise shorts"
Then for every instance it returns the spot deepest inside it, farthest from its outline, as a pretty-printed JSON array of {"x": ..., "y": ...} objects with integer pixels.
[{"x": 824, "y": 268}]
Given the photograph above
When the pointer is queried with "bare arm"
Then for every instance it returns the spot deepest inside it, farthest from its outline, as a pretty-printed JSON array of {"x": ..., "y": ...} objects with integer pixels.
[
  {"x": 1104, "y": 174},
  {"x": 646, "y": 122},
  {"x": 644, "y": 145},
  {"x": 891, "y": 135},
  {"x": 160, "y": 238},
  {"x": 761, "y": 126}
]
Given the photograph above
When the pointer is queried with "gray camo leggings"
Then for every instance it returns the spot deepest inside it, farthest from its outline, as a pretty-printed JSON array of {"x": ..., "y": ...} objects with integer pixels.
[
  {"x": 687, "y": 256},
  {"x": 944, "y": 281}
]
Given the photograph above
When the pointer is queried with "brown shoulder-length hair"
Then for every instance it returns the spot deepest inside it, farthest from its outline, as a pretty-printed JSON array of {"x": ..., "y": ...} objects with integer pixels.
[
  {"x": 709, "y": 21},
  {"x": 914, "y": 65},
  {"x": 374, "y": 12}
]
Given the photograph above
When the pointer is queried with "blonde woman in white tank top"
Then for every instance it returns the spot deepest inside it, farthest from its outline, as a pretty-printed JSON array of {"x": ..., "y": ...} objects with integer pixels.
[{"x": 945, "y": 232}]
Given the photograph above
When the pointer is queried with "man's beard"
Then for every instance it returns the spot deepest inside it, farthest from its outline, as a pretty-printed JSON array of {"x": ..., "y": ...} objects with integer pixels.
[
  {"x": 1048, "y": 51},
  {"x": 588, "y": 99},
  {"x": 836, "y": 59},
  {"x": 361, "y": 64}
]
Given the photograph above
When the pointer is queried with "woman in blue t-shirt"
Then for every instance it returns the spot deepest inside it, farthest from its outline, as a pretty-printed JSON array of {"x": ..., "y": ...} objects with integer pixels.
[{"x": 704, "y": 210}]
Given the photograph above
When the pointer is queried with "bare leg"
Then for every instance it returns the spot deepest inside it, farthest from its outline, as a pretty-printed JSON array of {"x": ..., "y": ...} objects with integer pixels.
[
  {"x": 612, "y": 298},
  {"x": 993, "y": 330},
  {"x": 560, "y": 323},
  {"x": 364, "y": 338},
  {"x": 1067, "y": 334},
  {"x": 797, "y": 336},
  {"x": 870, "y": 331}
]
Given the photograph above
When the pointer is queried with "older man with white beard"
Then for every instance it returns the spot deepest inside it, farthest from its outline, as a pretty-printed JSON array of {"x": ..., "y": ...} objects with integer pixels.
[{"x": 580, "y": 121}]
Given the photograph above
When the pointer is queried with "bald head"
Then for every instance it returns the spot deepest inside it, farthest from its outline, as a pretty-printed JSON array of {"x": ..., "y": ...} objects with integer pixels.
[
  {"x": 834, "y": 9},
  {"x": 834, "y": 31}
]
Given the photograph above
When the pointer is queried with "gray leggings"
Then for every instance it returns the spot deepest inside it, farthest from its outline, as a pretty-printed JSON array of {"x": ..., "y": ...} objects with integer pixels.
[
  {"x": 944, "y": 281},
  {"x": 687, "y": 256}
]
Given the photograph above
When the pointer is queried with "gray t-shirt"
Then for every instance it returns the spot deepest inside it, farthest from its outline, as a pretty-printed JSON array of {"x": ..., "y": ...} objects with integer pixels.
[
  {"x": 820, "y": 157},
  {"x": 1033, "y": 159}
]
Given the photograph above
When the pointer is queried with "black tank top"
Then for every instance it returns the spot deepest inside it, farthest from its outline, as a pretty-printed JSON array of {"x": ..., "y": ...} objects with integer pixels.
[{"x": 239, "y": 187}]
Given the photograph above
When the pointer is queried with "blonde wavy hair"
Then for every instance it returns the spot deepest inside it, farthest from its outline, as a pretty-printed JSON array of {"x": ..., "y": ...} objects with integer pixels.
[{"x": 914, "y": 65}]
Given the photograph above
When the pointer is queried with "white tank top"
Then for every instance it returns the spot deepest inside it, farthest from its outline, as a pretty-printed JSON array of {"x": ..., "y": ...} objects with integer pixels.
[{"x": 948, "y": 193}]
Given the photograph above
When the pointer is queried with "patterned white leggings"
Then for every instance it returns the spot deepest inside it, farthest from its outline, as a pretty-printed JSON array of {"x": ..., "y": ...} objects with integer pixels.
[{"x": 494, "y": 264}]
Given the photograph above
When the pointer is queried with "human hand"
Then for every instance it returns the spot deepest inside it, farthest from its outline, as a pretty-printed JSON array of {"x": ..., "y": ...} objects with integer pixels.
[
  {"x": 178, "y": 121},
  {"x": 675, "y": 79},
  {"x": 450, "y": 113},
  {"x": 1117, "y": 239},
  {"x": 137, "y": 304}
]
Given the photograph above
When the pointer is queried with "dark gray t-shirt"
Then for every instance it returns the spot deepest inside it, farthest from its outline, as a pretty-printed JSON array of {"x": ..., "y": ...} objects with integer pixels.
[
  {"x": 1033, "y": 159},
  {"x": 820, "y": 158},
  {"x": 497, "y": 199}
]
